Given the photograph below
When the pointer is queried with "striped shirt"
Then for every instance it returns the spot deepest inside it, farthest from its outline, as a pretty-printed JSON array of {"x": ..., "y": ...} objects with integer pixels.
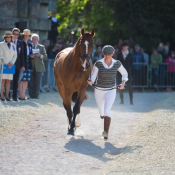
[{"x": 104, "y": 76}]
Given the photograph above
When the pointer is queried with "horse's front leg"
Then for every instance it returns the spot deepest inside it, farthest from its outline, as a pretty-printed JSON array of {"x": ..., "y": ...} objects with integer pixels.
[{"x": 76, "y": 108}]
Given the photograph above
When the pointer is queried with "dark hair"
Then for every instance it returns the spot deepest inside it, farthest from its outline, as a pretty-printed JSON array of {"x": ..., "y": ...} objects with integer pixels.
[
  {"x": 125, "y": 43},
  {"x": 15, "y": 29}
]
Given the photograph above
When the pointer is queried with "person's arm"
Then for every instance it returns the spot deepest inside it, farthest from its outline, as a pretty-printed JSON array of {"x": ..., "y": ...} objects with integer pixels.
[
  {"x": 124, "y": 73},
  {"x": 5, "y": 60},
  {"x": 152, "y": 59},
  {"x": 22, "y": 55},
  {"x": 93, "y": 77}
]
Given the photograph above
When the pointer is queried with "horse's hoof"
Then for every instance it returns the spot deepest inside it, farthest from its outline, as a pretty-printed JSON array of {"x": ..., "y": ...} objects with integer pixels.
[{"x": 70, "y": 133}]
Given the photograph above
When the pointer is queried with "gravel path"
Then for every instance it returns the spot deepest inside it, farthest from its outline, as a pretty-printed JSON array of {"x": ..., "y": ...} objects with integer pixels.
[{"x": 33, "y": 137}]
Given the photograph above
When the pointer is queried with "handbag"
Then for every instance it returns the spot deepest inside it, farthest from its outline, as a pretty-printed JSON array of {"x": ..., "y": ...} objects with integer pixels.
[{"x": 7, "y": 70}]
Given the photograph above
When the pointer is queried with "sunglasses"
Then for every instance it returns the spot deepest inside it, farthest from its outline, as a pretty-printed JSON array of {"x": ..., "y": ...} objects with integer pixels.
[{"x": 15, "y": 34}]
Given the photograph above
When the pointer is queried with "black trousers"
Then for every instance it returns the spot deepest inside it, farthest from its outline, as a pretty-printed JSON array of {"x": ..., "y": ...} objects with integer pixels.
[
  {"x": 15, "y": 83},
  {"x": 128, "y": 87},
  {"x": 34, "y": 84}
]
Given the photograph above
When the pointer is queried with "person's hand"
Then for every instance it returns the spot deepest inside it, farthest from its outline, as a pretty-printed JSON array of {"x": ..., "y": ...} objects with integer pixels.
[
  {"x": 122, "y": 86},
  {"x": 32, "y": 56},
  {"x": 10, "y": 65},
  {"x": 22, "y": 69},
  {"x": 38, "y": 55},
  {"x": 90, "y": 82}
]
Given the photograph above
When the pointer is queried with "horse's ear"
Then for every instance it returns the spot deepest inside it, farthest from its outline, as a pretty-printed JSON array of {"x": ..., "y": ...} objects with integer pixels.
[
  {"x": 82, "y": 31},
  {"x": 93, "y": 32}
]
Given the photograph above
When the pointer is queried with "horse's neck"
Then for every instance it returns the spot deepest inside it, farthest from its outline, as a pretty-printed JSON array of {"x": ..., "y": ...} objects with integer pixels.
[{"x": 75, "y": 54}]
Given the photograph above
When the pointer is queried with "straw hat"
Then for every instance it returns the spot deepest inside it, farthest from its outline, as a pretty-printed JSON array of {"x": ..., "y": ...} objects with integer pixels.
[
  {"x": 26, "y": 32},
  {"x": 7, "y": 34}
]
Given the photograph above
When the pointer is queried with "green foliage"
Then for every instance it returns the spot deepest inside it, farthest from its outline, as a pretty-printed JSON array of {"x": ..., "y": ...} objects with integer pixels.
[{"x": 148, "y": 22}]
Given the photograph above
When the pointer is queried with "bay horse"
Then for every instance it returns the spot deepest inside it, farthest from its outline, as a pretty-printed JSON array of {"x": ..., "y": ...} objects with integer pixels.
[{"x": 72, "y": 67}]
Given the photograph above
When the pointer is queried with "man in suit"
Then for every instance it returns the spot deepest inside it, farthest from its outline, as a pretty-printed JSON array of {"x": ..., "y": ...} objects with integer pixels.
[
  {"x": 38, "y": 66},
  {"x": 19, "y": 61},
  {"x": 127, "y": 61}
]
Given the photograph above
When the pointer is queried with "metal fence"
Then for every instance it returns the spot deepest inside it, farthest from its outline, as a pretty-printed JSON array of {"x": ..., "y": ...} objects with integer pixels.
[{"x": 143, "y": 76}]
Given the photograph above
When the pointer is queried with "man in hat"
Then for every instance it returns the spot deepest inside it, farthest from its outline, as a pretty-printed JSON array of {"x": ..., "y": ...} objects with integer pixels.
[
  {"x": 38, "y": 67},
  {"x": 127, "y": 61},
  {"x": 19, "y": 61}
]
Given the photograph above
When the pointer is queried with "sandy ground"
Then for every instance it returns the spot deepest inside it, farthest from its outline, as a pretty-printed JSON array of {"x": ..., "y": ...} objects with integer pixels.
[{"x": 33, "y": 137}]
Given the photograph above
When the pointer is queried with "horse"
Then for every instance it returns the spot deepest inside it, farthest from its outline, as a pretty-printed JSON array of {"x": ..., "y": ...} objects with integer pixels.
[{"x": 72, "y": 67}]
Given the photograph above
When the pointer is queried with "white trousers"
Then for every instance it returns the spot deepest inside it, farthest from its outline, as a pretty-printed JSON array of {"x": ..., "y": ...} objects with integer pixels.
[{"x": 105, "y": 100}]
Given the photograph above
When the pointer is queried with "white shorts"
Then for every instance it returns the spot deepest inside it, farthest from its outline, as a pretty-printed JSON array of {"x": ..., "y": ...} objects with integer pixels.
[{"x": 105, "y": 100}]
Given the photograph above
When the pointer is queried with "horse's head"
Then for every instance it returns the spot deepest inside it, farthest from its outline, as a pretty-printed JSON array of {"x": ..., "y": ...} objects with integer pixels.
[{"x": 86, "y": 48}]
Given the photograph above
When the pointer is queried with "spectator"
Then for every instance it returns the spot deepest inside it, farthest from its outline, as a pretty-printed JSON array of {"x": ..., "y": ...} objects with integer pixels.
[
  {"x": 9, "y": 55},
  {"x": 145, "y": 66},
  {"x": 54, "y": 24},
  {"x": 138, "y": 60},
  {"x": 38, "y": 66},
  {"x": 161, "y": 50},
  {"x": 24, "y": 77},
  {"x": 115, "y": 53},
  {"x": 99, "y": 43},
  {"x": 119, "y": 45},
  {"x": 171, "y": 70},
  {"x": 20, "y": 61},
  {"x": 58, "y": 47},
  {"x": 145, "y": 56},
  {"x": 46, "y": 43},
  {"x": 156, "y": 60},
  {"x": 131, "y": 50},
  {"x": 98, "y": 55},
  {"x": 127, "y": 61},
  {"x": 51, "y": 53},
  {"x": 71, "y": 40}
]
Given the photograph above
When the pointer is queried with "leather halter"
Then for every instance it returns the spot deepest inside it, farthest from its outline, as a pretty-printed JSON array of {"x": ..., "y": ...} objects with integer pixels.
[{"x": 85, "y": 55}]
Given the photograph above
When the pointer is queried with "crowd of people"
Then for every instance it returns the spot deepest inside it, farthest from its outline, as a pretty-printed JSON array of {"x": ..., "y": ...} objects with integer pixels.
[
  {"x": 28, "y": 56},
  {"x": 27, "y": 60}
]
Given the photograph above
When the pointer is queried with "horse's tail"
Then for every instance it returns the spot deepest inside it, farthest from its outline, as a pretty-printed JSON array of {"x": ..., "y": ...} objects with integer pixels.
[{"x": 74, "y": 96}]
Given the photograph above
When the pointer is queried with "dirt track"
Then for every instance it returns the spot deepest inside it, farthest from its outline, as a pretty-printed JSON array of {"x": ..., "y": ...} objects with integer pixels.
[{"x": 36, "y": 142}]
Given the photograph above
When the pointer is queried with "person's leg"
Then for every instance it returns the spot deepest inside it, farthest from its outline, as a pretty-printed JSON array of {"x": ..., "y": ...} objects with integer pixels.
[
  {"x": 31, "y": 85},
  {"x": 100, "y": 100},
  {"x": 20, "y": 89},
  {"x": 121, "y": 96},
  {"x": 25, "y": 84},
  {"x": 109, "y": 100},
  {"x": 37, "y": 81},
  {"x": 2, "y": 88},
  {"x": 15, "y": 84},
  {"x": 7, "y": 87}
]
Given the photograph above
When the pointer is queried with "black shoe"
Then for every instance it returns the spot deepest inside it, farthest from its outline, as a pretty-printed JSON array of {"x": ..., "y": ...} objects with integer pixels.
[
  {"x": 121, "y": 102},
  {"x": 15, "y": 99},
  {"x": 8, "y": 99},
  {"x": 2, "y": 99},
  {"x": 21, "y": 98}
]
